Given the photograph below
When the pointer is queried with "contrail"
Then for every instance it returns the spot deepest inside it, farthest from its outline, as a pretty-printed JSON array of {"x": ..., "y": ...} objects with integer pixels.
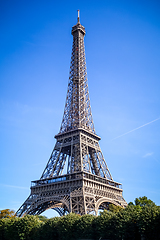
[
  {"x": 136, "y": 128},
  {"x": 12, "y": 186}
]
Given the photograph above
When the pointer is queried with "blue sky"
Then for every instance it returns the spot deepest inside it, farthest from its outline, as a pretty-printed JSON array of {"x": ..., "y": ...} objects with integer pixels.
[{"x": 122, "y": 45}]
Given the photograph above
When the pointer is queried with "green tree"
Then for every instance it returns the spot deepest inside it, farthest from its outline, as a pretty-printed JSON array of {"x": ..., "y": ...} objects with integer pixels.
[
  {"x": 140, "y": 220},
  {"x": 42, "y": 218},
  {"x": 148, "y": 222},
  {"x": 113, "y": 208},
  {"x": 128, "y": 223},
  {"x": 2, "y": 228},
  {"x": 22, "y": 228},
  {"x": 144, "y": 201},
  {"x": 100, "y": 224},
  {"x": 66, "y": 226},
  {"x": 49, "y": 230},
  {"x": 83, "y": 227}
]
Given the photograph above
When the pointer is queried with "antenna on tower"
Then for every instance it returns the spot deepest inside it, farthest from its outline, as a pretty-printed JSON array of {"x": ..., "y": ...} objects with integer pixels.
[{"x": 78, "y": 15}]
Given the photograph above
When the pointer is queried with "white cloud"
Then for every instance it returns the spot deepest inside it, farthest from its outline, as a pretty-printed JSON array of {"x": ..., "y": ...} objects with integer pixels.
[{"x": 148, "y": 155}]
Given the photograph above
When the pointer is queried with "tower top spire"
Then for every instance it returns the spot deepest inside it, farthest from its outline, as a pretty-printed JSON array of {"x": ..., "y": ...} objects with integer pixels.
[
  {"x": 78, "y": 26},
  {"x": 78, "y": 19}
]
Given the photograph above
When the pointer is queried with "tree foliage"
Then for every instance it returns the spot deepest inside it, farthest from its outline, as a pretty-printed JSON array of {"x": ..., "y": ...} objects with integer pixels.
[
  {"x": 144, "y": 201},
  {"x": 42, "y": 218},
  {"x": 113, "y": 208},
  {"x": 7, "y": 213}
]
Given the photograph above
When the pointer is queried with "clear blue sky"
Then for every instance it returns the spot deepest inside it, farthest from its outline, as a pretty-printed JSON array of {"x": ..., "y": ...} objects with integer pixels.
[{"x": 122, "y": 45}]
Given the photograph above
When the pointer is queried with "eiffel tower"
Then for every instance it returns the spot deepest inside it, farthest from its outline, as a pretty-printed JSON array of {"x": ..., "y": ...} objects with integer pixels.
[{"x": 76, "y": 178}]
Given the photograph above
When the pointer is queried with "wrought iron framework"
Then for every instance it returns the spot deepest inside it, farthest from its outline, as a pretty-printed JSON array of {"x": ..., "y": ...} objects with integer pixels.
[{"x": 76, "y": 177}]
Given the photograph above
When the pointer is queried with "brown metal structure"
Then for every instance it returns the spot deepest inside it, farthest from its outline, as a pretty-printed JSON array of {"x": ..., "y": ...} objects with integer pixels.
[{"x": 76, "y": 178}]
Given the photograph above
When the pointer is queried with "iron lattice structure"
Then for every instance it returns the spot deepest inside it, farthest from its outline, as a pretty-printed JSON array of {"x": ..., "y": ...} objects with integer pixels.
[{"x": 76, "y": 178}]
